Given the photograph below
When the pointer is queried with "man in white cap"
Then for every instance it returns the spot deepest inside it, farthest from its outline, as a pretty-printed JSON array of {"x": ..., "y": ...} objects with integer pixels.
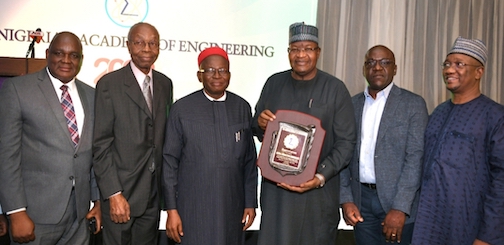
[
  {"x": 462, "y": 192},
  {"x": 309, "y": 213}
]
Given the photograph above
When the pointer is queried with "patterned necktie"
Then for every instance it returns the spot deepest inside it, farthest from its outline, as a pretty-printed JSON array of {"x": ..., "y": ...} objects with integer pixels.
[
  {"x": 68, "y": 110},
  {"x": 147, "y": 92}
]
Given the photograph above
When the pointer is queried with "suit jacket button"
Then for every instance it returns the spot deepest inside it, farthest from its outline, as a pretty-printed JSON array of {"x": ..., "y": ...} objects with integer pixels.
[
  {"x": 71, "y": 177},
  {"x": 75, "y": 156}
]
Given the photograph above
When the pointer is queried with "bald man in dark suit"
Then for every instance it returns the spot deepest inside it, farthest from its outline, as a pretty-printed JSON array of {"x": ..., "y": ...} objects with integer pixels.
[{"x": 131, "y": 110}]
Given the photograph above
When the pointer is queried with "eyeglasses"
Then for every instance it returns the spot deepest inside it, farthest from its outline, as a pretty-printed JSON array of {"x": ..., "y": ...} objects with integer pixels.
[
  {"x": 211, "y": 71},
  {"x": 142, "y": 44},
  {"x": 458, "y": 65},
  {"x": 383, "y": 63},
  {"x": 299, "y": 50}
]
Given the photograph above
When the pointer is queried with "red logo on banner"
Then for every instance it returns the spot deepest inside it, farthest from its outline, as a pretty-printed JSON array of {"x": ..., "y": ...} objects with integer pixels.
[
  {"x": 110, "y": 65},
  {"x": 37, "y": 35}
]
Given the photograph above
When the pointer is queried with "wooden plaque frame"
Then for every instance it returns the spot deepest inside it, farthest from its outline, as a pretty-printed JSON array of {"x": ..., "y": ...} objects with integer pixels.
[{"x": 279, "y": 176}]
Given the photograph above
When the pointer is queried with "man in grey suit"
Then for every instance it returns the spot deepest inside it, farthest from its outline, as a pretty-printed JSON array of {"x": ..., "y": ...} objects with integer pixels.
[
  {"x": 380, "y": 186},
  {"x": 46, "y": 131},
  {"x": 131, "y": 111}
]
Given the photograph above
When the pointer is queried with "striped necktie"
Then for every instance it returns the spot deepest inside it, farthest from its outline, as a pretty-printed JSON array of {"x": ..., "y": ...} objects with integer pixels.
[
  {"x": 147, "y": 92},
  {"x": 68, "y": 110}
]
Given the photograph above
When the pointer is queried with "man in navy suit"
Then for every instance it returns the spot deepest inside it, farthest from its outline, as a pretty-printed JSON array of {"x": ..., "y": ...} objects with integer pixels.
[
  {"x": 380, "y": 186},
  {"x": 45, "y": 173}
]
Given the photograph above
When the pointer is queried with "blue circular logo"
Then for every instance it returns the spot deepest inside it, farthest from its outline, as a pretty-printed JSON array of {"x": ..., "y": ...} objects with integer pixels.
[{"x": 126, "y": 13}]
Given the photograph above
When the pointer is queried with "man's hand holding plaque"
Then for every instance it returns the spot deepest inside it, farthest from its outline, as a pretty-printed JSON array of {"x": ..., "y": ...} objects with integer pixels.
[
  {"x": 310, "y": 184},
  {"x": 290, "y": 149}
]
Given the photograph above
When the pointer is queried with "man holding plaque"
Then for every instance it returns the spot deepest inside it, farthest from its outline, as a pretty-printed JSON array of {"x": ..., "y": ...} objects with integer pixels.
[
  {"x": 308, "y": 213},
  {"x": 209, "y": 171},
  {"x": 380, "y": 187}
]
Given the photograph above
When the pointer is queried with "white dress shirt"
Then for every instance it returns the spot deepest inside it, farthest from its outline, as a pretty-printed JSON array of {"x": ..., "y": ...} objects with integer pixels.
[
  {"x": 371, "y": 118},
  {"x": 223, "y": 98}
]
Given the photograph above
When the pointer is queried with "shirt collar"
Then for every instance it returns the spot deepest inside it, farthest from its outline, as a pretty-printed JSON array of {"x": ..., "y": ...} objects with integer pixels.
[
  {"x": 139, "y": 75},
  {"x": 57, "y": 83},
  {"x": 384, "y": 92},
  {"x": 223, "y": 98}
]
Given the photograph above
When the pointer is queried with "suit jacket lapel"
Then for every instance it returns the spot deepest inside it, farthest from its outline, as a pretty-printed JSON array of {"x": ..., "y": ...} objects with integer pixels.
[
  {"x": 358, "y": 113},
  {"x": 159, "y": 104},
  {"x": 388, "y": 112},
  {"x": 133, "y": 90},
  {"x": 88, "y": 119},
  {"x": 51, "y": 96}
]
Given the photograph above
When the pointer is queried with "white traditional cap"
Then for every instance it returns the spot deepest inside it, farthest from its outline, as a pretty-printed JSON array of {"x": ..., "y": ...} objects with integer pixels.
[
  {"x": 301, "y": 32},
  {"x": 472, "y": 47}
]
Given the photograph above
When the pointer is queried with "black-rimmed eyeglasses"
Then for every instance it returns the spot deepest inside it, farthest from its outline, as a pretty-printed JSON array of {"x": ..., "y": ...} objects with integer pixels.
[{"x": 383, "y": 63}]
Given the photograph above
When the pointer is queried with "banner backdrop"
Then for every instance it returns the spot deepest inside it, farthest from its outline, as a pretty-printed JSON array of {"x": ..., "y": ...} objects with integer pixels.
[{"x": 253, "y": 32}]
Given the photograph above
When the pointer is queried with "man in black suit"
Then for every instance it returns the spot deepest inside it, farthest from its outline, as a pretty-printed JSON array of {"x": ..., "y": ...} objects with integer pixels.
[{"x": 131, "y": 110}]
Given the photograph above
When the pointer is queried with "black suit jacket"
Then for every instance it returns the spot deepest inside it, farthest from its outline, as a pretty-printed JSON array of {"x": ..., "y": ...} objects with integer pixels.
[{"x": 127, "y": 138}]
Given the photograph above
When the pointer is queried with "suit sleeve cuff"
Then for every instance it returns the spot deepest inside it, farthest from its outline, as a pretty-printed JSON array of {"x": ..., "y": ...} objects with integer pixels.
[
  {"x": 115, "y": 194},
  {"x": 321, "y": 178},
  {"x": 16, "y": 211}
]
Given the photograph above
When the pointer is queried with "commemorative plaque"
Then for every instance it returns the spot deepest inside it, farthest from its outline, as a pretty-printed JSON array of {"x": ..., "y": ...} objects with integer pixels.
[{"x": 291, "y": 148}]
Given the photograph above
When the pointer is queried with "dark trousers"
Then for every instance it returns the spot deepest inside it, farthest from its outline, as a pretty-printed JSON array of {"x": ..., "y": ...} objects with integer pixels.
[
  {"x": 138, "y": 230},
  {"x": 370, "y": 232}
]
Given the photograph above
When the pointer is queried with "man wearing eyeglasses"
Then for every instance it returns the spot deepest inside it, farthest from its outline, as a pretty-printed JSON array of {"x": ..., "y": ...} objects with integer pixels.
[
  {"x": 46, "y": 130},
  {"x": 380, "y": 186},
  {"x": 209, "y": 171},
  {"x": 309, "y": 213},
  {"x": 131, "y": 110},
  {"x": 462, "y": 194}
]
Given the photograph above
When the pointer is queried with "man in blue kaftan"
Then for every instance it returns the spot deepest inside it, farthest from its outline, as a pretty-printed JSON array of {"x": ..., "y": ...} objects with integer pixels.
[{"x": 462, "y": 192}]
